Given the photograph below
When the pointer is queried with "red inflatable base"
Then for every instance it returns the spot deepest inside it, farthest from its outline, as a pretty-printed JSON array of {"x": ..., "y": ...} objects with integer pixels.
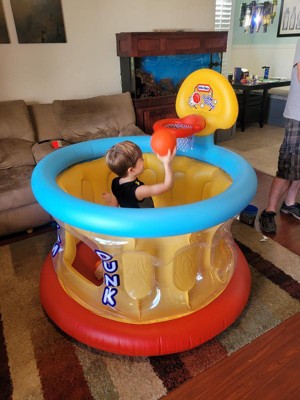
[{"x": 146, "y": 339}]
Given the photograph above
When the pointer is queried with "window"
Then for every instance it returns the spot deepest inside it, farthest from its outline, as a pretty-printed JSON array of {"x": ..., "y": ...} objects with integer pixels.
[{"x": 223, "y": 22}]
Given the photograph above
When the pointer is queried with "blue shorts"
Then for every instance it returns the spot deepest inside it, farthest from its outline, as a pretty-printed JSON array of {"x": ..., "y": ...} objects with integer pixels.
[{"x": 289, "y": 152}]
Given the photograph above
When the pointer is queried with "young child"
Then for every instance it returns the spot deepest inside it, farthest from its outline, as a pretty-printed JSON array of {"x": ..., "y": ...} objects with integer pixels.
[{"x": 126, "y": 160}]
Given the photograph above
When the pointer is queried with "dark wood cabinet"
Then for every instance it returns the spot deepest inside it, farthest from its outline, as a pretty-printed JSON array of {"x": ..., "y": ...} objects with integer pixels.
[
  {"x": 154, "y": 101},
  {"x": 140, "y": 44},
  {"x": 151, "y": 109}
]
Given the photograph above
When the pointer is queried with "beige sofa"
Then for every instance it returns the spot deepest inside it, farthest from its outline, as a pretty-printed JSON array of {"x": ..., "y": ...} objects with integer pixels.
[{"x": 27, "y": 133}]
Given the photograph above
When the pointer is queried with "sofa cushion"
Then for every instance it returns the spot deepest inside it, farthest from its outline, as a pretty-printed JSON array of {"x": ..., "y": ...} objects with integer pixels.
[
  {"x": 44, "y": 122},
  {"x": 96, "y": 117},
  {"x": 15, "y": 121},
  {"x": 15, "y": 153},
  {"x": 23, "y": 218},
  {"x": 15, "y": 188},
  {"x": 40, "y": 150}
]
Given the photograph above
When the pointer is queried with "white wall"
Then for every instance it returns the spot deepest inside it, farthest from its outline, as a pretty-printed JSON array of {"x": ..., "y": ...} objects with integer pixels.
[
  {"x": 87, "y": 65},
  {"x": 253, "y": 51},
  {"x": 278, "y": 57}
]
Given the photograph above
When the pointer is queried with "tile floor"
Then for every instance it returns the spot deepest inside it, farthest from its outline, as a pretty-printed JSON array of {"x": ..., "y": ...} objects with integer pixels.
[{"x": 259, "y": 146}]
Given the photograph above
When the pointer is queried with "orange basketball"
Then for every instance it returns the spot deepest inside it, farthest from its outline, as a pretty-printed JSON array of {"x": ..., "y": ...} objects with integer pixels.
[{"x": 162, "y": 141}]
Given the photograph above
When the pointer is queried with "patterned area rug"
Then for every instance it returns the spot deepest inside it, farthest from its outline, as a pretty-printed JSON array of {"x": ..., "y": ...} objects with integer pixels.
[{"x": 38, "y": 361}]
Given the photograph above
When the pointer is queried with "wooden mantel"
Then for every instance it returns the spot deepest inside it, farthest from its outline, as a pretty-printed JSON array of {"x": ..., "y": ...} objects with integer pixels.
[{"x": 141, "y": 44}]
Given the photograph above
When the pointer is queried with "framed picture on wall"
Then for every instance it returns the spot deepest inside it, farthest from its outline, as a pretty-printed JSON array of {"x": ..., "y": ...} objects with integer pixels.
[
  {"x": 4, "y": 38},
  {"x": 289, "y": 18},
  {"x": 39, "y": 21}
]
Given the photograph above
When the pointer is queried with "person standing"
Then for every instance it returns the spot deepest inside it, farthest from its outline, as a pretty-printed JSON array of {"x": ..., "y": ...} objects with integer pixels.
[{"x": 287, "y": 179}]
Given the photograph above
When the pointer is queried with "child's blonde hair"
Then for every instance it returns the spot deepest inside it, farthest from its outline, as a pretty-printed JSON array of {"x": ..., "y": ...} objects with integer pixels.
[{"x": 123, "y": 156}]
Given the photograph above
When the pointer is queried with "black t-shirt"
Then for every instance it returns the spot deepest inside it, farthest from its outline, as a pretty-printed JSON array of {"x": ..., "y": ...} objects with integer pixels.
[{"x": 125, "y": 194}]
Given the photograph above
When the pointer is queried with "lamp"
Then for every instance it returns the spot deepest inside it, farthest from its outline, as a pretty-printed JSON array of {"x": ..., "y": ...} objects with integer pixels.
[{"x": 254, "y": 15}]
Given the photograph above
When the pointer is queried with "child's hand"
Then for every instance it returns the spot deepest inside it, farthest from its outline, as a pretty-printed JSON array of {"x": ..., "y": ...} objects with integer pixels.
[{"x": 167, "y": 159}]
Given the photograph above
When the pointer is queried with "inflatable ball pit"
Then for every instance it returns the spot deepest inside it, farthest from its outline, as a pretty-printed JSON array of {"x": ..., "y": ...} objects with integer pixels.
[{"x": 172, "y": 276}]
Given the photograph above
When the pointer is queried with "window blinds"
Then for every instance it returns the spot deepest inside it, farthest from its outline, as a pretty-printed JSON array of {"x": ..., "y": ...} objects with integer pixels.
[{"x": 223, "y": 22}]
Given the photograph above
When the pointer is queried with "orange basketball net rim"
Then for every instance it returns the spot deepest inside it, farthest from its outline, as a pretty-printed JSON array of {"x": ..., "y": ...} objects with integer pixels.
[{"x": 181, "y": 127}]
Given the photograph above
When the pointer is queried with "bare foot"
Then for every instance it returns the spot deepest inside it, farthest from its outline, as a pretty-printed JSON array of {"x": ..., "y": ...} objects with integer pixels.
[{"x": 99, "y": 270}]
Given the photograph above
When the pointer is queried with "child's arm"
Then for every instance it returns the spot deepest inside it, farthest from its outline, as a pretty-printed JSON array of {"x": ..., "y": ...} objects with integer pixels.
[
  {"x": 144, "y": 191},
  {"x": 110, "y": 199}
]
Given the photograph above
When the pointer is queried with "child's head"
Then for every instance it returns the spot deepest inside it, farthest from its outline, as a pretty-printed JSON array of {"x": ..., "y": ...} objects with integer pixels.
[{"x": 123, "y": 156}]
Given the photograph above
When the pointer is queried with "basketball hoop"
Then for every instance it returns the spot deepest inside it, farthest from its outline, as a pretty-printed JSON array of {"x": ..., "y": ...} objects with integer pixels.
[{"x": 183, "y": 128}]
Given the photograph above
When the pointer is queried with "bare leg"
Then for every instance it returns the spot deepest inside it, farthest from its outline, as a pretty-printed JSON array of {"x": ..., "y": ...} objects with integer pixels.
[
  {"x": 278, "y": 188},
  {"x": 292, "y": 193}
]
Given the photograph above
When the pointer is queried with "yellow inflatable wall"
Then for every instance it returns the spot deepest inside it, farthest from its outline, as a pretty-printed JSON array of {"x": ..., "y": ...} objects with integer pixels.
[{"x": 159, "y": 278}]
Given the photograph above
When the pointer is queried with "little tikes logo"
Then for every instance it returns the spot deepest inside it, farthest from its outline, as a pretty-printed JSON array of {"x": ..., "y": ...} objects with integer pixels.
[
  {"x": 202, "y": 97},
  {"x": 110, "y": 278}
]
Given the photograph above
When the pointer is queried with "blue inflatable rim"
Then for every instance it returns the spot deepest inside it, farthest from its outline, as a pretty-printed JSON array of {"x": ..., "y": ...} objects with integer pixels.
[{"x": 143, "y": 223}]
